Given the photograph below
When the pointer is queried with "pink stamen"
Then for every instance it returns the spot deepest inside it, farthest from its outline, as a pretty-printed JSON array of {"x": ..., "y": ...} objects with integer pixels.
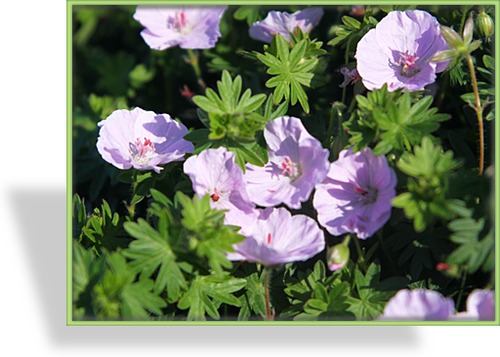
[
  {"x": 268, "y": 238},
  {"x": 215, "y": 197}
]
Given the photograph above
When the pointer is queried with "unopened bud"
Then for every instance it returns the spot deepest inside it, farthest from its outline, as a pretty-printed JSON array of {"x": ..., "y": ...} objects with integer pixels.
[
  {"x": 452, "y": 38},
  {"x": 468, "y": 29},
  {"x": 337, "y": 256},
  {"x": 485, "y": 25}
]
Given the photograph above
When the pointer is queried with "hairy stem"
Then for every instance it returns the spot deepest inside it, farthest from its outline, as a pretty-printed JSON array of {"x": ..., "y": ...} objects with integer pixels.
[
  {"x": 479, "y": 111},
  {"x": 361, "y": 256},
  {"x": 193, "y": 60},
  {"x": 267, "y": 277}
]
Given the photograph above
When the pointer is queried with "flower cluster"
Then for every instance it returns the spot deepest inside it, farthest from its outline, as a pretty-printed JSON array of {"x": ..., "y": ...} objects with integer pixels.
[{"x": 273, "y": 189}]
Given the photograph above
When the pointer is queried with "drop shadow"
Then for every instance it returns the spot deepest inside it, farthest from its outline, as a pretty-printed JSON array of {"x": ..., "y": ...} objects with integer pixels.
[{"x": 41, "y": 216}]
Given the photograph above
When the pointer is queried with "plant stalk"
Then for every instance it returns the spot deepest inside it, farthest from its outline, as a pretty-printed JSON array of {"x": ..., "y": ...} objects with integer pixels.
[
  {"x": 194, "y": 61},
  {"x": 479, "y": 112},
  {"x": 267, "y": 277}
]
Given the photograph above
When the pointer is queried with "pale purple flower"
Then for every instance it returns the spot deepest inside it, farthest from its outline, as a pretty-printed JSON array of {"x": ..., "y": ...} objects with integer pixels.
[
  {"x": 297, "y": 163},
  {"x": 398, "y": 49},
  {"x": 480, "y": 306},
  {"x": 282, "y": 23},
  {"x": 190, "y": 27},
  {"x": 356, "y": 195},
  {"x": 141, "y": 139},
  {"x": 418, "y": 305},
  {"x": 279, "y": 238},
  {"x": 214, "y": 172}
]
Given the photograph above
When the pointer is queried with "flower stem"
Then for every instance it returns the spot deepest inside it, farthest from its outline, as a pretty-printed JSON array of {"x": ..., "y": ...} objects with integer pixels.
[
  {"x": 267, "y": 277},
  {"x": 479, "y": 111},
  {"x": 462, "y": 287},
  {"x": 194, "y": 62},
  {"x": 361, "y": 256},
  {"x": 131, "y": 207}
]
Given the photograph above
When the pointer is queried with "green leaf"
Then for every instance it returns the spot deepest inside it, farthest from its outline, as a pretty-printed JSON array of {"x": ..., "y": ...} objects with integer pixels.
[
  {"x": 205, "y": 292},
  {"x": 151, "y": 253}
]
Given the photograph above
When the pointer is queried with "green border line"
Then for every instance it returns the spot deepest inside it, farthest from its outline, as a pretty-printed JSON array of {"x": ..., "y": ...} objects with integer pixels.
[{"x": 69, "y": 168}]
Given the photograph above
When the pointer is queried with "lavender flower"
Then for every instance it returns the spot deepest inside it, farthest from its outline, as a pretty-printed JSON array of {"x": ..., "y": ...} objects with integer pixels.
[
  {"x": 297, "y": 162},
  {"x": 141, "y": 139},
  {"x": 419, "y": 304},
  {"x": 282, "y": 23},
  {"x": 214, "y": 172},
  {"x": 480, "y": 306},
  {"x": 398, "y": 49},
  {"x": 356, "y": 195},
  {"x": 278, "y": 238},
  {"x": 187, "y": 26}
]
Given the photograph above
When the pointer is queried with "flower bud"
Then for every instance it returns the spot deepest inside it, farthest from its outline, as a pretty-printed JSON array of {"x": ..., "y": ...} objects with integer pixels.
[
  {"x": 485, "y": 25},
  {"x": 468, "y": 30},
  {"x": 337, "y": 256},
  {"x": 452, "y": 38}
]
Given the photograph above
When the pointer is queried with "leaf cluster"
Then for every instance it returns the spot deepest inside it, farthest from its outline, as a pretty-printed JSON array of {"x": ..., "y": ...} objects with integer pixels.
[
  {"x": 391, "y": 121},
  {"x": 294, "y": 66},
  {"x": 429, "y": 169}
]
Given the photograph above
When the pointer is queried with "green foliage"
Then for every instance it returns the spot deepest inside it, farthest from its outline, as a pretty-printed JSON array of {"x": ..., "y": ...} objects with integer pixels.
[
  {"x": 105, "y": 288},
  {"x": 206, "y": 293},
  {"x": 369, "y": 300},
  {"x": 428, "y": 169},
  {"x": 230, "y": 115},
  {"x": 253, "y": 301},
  {"x": 250, "y": 14},
  {"x": 392, "y": 121},
  {"x": 292, "y": 69},
  {"x": 209, "y": 237},
  {"x": 102, "y": 229},
  {"x": 475, "y": 242}
]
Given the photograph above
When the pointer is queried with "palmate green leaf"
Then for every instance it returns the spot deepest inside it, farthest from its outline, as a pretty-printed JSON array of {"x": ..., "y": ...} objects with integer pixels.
[
  {"x": 151, "y": 253},
  {"x": 208, "y": 236},
  {"x": 254, "y": 299},
  {"x": 117, "y": 295},
  {"x": 371, "y": 300},
  {"x": 248, "y": 13},
  {"x": 291, "y": 69},
  {"x": 207, "y": 292},
  {"x": 475, "y": 243}
]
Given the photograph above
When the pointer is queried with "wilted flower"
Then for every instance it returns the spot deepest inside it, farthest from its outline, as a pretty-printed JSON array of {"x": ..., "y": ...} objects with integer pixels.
[
  {"x": 419, "y": 304},
  {"x": 187, "y": 26},
  {"x": 141, "y": 139},
  {"x": 214, "y": 172},
  {"x": 278, "y": 238},
  {"x": 350, "y": 76},
  {"x": 480, "y": 306},
  {"x": 282, "y": 23},
  {"x": 398, "y": 49},
  {"x": 356, "y": 195},
  {"x": 297, "y": 163}
]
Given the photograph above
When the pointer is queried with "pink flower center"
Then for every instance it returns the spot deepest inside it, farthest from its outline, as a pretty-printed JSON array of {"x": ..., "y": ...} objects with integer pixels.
[
  {"x": 178, "y": 22},
  {"x": 367, "y": 196},
  {"x": 215, "y": 196},
  {"x": 290, "y": 168},
  {"x": 142, "y": 151},
  {"x": 408, "y": 64},
  {"x": 268, "y": 240}
]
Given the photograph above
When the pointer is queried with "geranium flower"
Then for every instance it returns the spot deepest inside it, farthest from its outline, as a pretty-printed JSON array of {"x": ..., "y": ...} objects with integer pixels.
[
  {"x": 398, "y": 49},
  {"x": 350, "y": 76},
  {"x": 297, "y": 162},
  {"x": 191, "y": 27},
  {"x": 141, "y": 139},
  {"x": 419, "y": 304},
  {"x": 282, "y": 23},
  {"x": 356, "y": 195},
  {"x": 480, "y": 306},
  {"x": 214, "y": 172},
  {"x": 278, "y": 238}
]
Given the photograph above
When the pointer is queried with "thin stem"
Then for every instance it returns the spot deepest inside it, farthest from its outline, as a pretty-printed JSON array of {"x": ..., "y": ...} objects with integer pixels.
[
  {"x": 131, "y": 208},
  {"x": 193, "y": 60},
  {"x": 361, "y": 256},
  {"x": 462, "y": 286},
  {"x": 267, "y": 277},
  {"x": 479, "y": 112}
]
